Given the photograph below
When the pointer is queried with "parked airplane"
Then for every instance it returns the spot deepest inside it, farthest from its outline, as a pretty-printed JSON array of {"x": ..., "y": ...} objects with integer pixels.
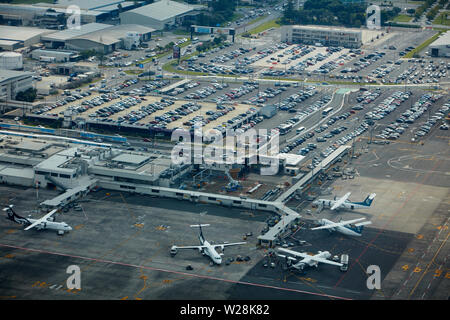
[
  {"x": 205, "y": 247},
  {"x": 345, "y": 227},
  {"x": 303, "y": 259},
  {"x": 39, "y": 224},
  {"x": 344, "y": 203}
]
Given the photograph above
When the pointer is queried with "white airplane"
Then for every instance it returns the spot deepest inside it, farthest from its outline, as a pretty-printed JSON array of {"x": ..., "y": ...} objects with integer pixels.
[
  {"x": 205, "y": 248},
  {"x": 345, "y": 227},
  {"x": 344, "y": 203},
  {"x": 306, "y": 259},
  {"x": 39, "y": 224}
]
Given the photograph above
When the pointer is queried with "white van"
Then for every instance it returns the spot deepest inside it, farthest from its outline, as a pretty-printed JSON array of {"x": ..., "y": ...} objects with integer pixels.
[
  {"x": 344, "y": 261},
  {"x": 300, "y": 130}
]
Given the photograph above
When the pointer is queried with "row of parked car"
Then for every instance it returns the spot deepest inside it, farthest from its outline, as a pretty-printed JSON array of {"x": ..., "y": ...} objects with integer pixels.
[
  {"x": 206, "y": 91},
  {"x": 61, "y": 102},
  {"x": 293, "y": 100},
  {"x": 210, "y": 116},
  {"x": 427, "y": 73},
  {"x": 388, "y": 105},
  {"x": 116, "y": 107},
  {"x": 236, "y": 93}
]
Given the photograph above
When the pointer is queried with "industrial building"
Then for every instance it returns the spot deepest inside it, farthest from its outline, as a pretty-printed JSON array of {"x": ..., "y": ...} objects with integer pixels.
[
  {"x": 12, "y": 38},
  {"x": 54, "y": 15},
  {"x": 441, "y": 46},
  {"x": 59, "y": 55},
  {"x": 164, "y": 14},
  {"x": 12, "y": 82},
  {"x": 327, "y": 36},
  {"x": 95, "y": 36}
]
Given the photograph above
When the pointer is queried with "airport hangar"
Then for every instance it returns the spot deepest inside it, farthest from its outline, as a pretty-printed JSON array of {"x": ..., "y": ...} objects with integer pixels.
[
  {"x": 46, "y": 13},
  {"x": 12, "y": 38},
  {"x": 161, "y": 15},
  {"x": 95, "y": 36}
]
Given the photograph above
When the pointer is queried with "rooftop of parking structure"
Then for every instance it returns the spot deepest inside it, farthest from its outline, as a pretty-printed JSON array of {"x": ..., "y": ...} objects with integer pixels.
[{"x": 206, "y": 106}]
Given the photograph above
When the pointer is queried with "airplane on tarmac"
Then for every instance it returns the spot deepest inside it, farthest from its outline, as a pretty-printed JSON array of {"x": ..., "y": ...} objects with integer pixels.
[
  {"x": 301, "y": 260},
  {"x": 347, "y": 227},
  {"x": 205, "y": 248},
  {"x": 39, "y": 224},
  {"x": 344, "y": 203}
]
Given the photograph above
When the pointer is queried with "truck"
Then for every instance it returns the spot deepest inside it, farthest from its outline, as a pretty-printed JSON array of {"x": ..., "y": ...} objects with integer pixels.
[{"x": 47, "y": 59}]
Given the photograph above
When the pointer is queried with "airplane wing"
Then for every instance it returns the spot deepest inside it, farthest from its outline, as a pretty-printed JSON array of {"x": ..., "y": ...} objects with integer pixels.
[
  {"x": 363, "y": 223},
  {"x": 43, "y": 219},
  {"x": 189, "y": 247},
  {"x": 322, "y": 260},
  {"x": 307, "y": 256},
  {"x": 337, "y": 224},
  {"x": 228, "y": 244},
  {"x": 295, "y": 253},
  {"x": 339, "y": 202}
]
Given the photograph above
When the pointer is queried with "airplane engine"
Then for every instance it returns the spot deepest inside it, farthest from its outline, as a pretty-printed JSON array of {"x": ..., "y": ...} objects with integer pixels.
[{"x": 173, "y": 251}]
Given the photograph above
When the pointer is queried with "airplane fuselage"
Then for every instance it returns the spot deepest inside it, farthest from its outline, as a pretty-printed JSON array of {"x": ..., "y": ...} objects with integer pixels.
[
  {"x": 211, "y": 252},
  {"x": 51, "y": 225},
  {"x": 346, "y": 205},
  {"x": 341, "y": 229}
]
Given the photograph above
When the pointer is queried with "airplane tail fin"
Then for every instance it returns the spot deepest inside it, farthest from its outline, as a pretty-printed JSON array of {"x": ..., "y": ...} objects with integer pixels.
[
  {"x": 202, "y": 239},
  {"x": 368, "y": 201},
  {"x": 359, "y": 227},
  {"x": 13, "y": 216}
]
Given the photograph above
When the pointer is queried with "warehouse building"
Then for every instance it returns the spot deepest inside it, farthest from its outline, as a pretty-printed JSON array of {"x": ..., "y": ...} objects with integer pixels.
[
  {"x": 18, "y": 37},
  {"x": 161, "y": 15},
  {"x": 12, "y": 82},
  {"x": 327, "y": 36},
  {"x": 54, "y": 15},
  {"x": 441, "y": 46},
  {"x": 100, "y": 37},
  {"x": 59, "y": 55}
]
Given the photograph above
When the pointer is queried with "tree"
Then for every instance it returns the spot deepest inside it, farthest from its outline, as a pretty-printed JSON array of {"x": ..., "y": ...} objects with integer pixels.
[
  {"x": 28, "y": 95},
  {"x": 100, "y": 56},
  {"x": 289, "y": 12}
]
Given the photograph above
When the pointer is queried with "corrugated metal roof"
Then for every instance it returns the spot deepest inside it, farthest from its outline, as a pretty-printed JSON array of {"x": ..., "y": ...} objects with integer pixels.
[
  {"x": 443, "y": 40},
  {"x": 20, "y": 33},
  {"x": 10, "y": 74},
  {"x": 74, "y": 33},
  {"x": 164, "y": 9}
]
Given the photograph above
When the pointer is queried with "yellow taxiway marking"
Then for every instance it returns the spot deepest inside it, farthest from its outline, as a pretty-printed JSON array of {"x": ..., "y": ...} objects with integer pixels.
[
  {"x": 434, "y": 257},
  {"x": 11, "y": 231},
  {"x": 139, "y": 225},
  {"x": 78, "y": 227},
  {"x": 437, "y": 273},
  {"x": 419, "y": 236},
  {"x": 124, "y": 298},
  {"x": 417, "y": 269},
  {"x": 405, "y": 267}
]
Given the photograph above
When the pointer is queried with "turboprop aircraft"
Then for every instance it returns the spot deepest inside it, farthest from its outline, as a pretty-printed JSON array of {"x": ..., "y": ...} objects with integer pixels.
[{"x": 205, "y": 247}]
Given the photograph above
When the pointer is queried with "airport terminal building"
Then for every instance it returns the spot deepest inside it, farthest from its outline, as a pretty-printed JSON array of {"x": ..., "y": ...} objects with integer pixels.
[{"x": 327, "y": 36}]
